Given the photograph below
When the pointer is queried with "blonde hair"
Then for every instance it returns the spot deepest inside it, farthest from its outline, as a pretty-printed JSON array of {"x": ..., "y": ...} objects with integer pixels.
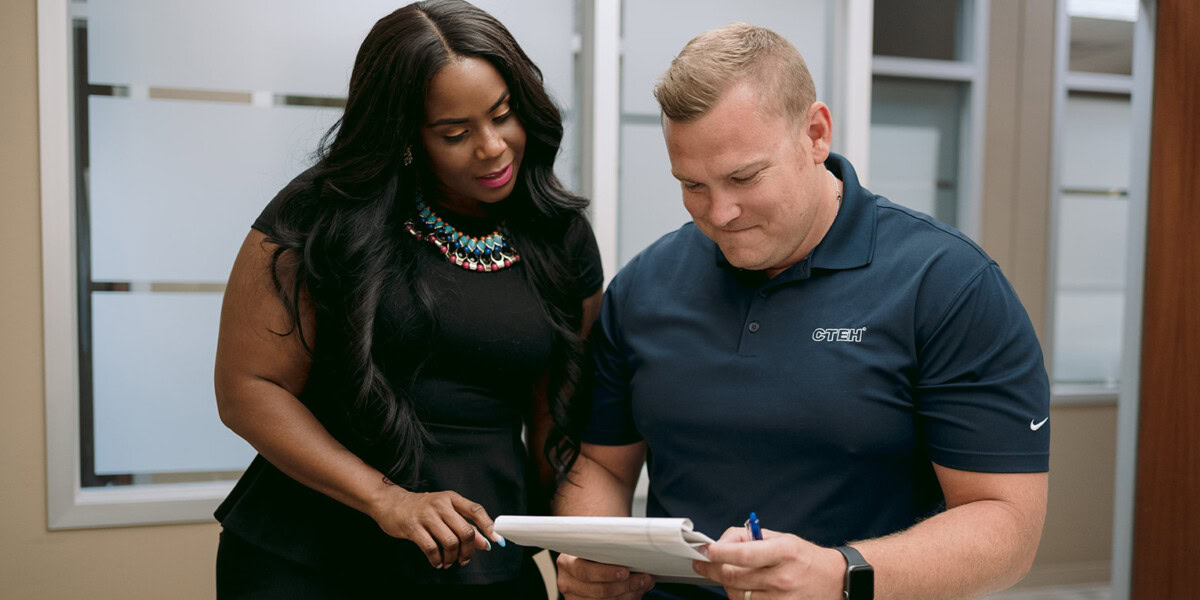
[{"x": 715, "y": 60}]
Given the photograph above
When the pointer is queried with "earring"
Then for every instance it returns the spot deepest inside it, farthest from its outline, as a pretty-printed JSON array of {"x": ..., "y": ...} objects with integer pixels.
[{"x": 407, "y": 155}]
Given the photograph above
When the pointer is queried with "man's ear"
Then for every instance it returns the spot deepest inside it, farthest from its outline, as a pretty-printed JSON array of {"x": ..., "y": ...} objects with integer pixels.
[{"x": 819, "y": 130}]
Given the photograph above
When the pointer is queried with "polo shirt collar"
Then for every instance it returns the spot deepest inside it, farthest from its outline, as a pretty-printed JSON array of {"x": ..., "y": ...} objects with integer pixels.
[{"x": 850, "y": 241}]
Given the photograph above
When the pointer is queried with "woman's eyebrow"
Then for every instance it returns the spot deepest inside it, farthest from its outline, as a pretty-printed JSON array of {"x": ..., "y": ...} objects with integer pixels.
[{"x": 438, "y": 122}]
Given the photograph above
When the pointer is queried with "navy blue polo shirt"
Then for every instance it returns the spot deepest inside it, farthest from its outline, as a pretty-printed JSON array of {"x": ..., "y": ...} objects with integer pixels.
[{"x": 819, "y": 398}]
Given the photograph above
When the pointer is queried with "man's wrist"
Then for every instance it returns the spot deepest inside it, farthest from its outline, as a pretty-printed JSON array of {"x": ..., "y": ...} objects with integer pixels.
[
  {"x": 835, "y": 574},
  {"x": 859, "y": 575}
]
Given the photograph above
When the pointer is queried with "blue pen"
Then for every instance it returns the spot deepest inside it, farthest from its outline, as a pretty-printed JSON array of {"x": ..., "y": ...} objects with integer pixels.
[{"x": 753, "y": 526}]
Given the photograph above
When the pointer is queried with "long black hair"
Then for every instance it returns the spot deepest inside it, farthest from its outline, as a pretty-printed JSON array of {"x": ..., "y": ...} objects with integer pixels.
[{"x": 344, "y": 225}]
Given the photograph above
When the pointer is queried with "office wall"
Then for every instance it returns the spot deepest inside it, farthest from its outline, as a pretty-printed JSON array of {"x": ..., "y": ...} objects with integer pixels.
[{"x": 140, "y": 562}]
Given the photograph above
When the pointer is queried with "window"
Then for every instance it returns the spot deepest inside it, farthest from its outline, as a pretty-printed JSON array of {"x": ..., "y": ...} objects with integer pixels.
[{"x": 1092, "y": 211}]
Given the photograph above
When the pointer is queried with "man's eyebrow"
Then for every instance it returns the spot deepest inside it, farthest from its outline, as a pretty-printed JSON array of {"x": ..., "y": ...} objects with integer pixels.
[
  {"x": 440, "y": 122},
  {"x": 756, "y": 165},
  {"x": 745, "y": 169}
]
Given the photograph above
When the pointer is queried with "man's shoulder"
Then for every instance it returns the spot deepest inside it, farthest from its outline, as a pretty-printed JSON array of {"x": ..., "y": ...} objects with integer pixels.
[{"x": 914, "y": 238}]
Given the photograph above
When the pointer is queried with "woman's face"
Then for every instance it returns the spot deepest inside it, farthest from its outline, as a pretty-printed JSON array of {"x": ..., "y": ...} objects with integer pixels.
[{"x": 472, "y": 136}]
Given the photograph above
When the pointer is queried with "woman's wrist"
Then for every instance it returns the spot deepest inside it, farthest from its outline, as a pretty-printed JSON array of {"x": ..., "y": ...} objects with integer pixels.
[{"x": 377, "y": 499}]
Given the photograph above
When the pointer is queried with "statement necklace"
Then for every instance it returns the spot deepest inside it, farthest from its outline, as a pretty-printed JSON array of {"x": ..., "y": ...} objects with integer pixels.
[{"x": 484, "y": 254}]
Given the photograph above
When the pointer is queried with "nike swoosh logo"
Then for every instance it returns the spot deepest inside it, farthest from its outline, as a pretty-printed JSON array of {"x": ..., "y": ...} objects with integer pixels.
[{"x": 1036, "y": 426}]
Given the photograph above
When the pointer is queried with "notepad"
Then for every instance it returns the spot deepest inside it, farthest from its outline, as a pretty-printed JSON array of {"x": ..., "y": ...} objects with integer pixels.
[{"x": 662, "y": 547}]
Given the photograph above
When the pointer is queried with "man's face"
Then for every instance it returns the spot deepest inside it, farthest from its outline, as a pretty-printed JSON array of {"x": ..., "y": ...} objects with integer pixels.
[{"x": 753, "y": 179}]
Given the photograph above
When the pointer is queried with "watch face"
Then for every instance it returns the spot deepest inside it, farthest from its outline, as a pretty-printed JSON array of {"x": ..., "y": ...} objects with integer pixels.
[{"x": 860, "y": 583}]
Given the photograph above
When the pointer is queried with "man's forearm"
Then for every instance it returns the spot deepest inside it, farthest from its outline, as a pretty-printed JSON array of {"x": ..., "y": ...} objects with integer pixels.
[{"x": 967, "y": 551}]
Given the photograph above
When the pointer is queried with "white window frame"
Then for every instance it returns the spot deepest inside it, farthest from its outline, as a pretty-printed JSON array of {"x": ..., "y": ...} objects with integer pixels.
[{"x": 69, "y": 505}]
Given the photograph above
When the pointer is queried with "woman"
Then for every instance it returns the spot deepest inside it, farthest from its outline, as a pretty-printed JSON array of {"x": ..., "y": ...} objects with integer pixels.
[{"x": 397, "y": 316}]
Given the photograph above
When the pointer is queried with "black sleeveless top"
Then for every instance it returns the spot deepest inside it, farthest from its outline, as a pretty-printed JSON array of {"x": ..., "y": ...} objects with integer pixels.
[{"x": 473, "y": 394}]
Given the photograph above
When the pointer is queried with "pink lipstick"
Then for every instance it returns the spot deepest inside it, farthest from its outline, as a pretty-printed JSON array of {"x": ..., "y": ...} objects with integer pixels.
[{"x": 497, "y": 179}]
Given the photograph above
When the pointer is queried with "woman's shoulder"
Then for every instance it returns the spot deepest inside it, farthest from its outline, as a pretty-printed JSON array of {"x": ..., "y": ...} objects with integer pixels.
[
  {"x": 584, "y": 254},
  {"x": 300, "y": 186}
]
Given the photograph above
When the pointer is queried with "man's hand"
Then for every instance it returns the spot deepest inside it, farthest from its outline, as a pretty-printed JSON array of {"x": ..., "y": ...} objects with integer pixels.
[
  {"x": 579, "y": 578},
  {"x": 781, "y": 565}
]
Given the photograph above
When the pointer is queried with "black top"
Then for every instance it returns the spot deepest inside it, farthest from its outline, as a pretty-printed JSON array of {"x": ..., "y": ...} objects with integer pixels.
[{"x": 473, "y": 393}]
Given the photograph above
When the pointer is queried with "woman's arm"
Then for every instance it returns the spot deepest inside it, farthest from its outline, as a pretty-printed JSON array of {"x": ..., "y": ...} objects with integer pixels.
[
  {"x": 258, "y": 378},
  {"x": 542, "y": 422}
]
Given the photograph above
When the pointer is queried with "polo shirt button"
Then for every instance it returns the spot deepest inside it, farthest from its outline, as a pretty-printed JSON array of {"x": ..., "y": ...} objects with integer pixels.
[{"x": 753, "y": 327}]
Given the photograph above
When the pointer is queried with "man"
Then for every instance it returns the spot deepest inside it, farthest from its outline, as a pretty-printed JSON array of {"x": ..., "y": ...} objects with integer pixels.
[{"x": 860, "y": 375}]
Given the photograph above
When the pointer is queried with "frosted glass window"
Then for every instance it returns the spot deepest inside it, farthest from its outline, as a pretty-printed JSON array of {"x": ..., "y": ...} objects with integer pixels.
[
  {"x": 650, "y": 203},
  {"x": 285, "y": 46},
  {"x": 915, "y": 137},
  {"x": 1092, "y": 239},
  {"x": 647, "y": 182},
  {"x": 656, "y": 30},
  {"x": 153, "y": 399},
  {"x": 185, "y": 179},
  {"x": 1087, "y": 337},
  {"x": 1095, "y": 153},
  {"x": 912, "y": 182}
]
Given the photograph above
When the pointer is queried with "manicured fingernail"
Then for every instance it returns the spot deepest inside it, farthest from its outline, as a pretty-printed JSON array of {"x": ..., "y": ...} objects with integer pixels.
[
  {"x": 464, "y": 563},
  {"x": 488, "y": 542},
  {"x": 499, "y": 539}
]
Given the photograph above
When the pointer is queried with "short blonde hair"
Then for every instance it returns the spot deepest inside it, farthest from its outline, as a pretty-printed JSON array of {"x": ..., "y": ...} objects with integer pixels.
[{"x": 715, "y": 60}]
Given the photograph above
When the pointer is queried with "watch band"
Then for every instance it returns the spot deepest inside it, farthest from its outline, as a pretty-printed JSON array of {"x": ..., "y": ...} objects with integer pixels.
[{"x": 860, "y": 576}]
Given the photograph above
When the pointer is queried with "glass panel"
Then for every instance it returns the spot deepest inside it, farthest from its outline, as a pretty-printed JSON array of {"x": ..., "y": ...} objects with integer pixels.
[
  {"x": 1087, "y": 337},
  {"x": 158, "y": 164},
  {"x": 653, "y": 201},
  {"x": 654, "y": 31},
  {"x": 1102, "y": 36},
  {"x": 1092, "y": 236},
  {"x": 1092, "y": 239},
  {"x": 931, "y": 29},
  {"x": 915, "y": 128},
  {"x": 283, "y": 46},
  {"x": 1095, "y": 152},
  {"x": 153, "y": 398}
]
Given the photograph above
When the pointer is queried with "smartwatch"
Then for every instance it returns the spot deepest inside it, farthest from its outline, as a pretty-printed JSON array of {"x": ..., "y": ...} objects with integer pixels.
[{"x": 860, "y": 577}]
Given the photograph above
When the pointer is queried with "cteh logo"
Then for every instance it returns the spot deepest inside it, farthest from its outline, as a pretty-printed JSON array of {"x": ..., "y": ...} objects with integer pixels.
[{"x": 838, "y": 335}]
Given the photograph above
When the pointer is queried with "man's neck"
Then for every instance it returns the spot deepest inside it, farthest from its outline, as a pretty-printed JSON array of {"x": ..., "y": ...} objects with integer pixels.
[{"x": 827, "y": 211}]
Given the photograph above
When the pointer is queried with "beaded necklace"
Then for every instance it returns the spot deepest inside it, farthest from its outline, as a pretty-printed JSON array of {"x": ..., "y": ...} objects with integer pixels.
[{"x": 482, "y": 254}]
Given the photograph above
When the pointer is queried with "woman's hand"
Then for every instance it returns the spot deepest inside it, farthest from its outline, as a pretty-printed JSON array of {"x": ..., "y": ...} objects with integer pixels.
[
  {"x": 437, "y": 522},
  {"x": 781, "y": 565}
]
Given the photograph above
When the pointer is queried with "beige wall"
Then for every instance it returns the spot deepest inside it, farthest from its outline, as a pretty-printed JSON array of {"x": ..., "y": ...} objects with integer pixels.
[{"x": 137, "y": 562}]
